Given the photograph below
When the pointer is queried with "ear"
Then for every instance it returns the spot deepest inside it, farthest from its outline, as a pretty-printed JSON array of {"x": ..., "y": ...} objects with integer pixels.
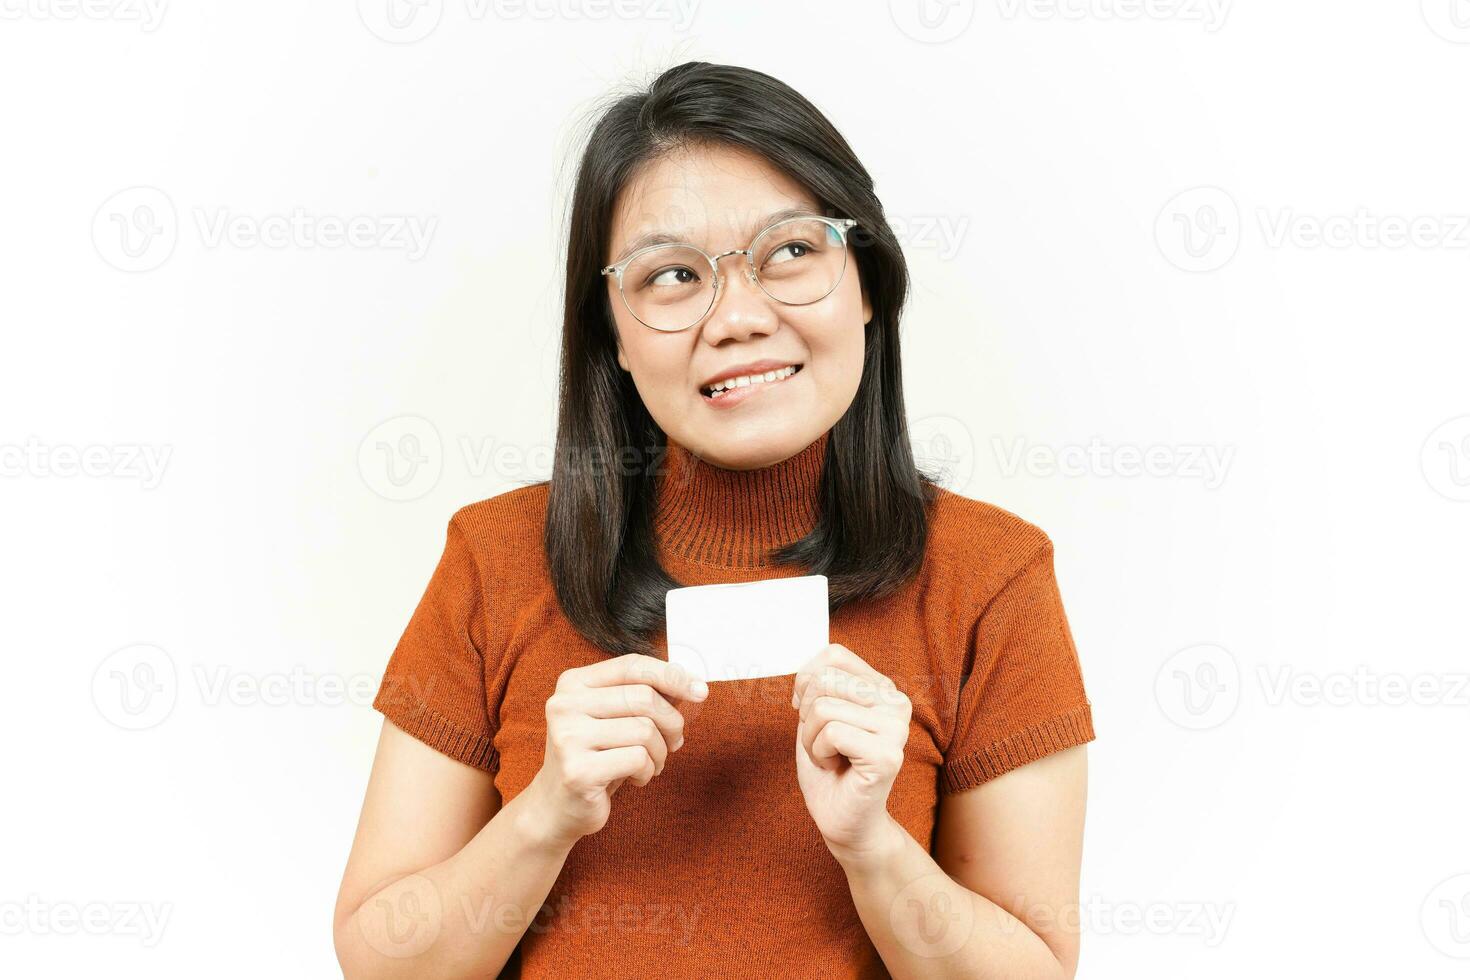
[
  {"x": 867, "y": 307},
  {"x": 612, "y": 326}
]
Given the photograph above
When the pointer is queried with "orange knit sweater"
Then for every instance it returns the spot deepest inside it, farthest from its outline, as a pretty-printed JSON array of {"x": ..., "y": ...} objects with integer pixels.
[{"x": 715, "y": 868}]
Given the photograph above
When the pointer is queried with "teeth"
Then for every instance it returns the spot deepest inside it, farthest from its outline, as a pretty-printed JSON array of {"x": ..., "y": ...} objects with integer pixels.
[{"x": 745, "y": 380}]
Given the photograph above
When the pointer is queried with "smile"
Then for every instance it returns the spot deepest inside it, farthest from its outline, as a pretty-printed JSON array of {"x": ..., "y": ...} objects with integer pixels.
[{"x": 724, "y": 389}]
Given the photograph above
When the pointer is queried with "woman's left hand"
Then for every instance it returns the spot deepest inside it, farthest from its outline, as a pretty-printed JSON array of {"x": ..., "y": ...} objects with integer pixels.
[{"x": 853, "y": 725}]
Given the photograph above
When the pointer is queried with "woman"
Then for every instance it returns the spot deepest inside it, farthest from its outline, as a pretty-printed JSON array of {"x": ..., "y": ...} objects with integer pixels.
[{"x": 550, "y": 795}]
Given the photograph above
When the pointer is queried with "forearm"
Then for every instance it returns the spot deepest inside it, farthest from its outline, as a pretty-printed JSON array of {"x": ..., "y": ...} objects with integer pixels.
[
  {"x": 464, "y": 916},
  {"x": 926, "y": 924}
]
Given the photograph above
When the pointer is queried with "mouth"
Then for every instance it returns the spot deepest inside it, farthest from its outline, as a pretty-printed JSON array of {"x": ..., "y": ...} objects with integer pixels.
[{"x": 739, "y": 388}]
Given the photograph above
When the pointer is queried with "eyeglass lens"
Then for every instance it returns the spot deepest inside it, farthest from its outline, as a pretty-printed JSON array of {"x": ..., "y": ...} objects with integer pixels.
[{"x": 671, "y": 287}]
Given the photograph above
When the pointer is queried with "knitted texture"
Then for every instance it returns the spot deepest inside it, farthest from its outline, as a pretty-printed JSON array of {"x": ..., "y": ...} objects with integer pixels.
[{"x": 715, "y": 869}]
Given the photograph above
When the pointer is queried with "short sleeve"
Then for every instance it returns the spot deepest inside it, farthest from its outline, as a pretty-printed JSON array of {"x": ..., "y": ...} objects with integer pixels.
[
  {"x": 434, "y": 685},
  {"x": 1024, "y": 698}
]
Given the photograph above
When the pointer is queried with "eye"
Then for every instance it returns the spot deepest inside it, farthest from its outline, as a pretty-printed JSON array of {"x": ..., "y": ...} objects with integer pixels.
[
  {"x": 681, "y": 275},
  {"x": 796, "y": 250}
]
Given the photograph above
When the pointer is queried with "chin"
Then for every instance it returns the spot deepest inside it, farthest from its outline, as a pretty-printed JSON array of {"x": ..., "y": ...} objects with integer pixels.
[{"x": 759, "y": 445}]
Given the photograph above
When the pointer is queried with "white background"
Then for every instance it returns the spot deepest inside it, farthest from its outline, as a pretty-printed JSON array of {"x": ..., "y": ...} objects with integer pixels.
[{"x": 1275, "y": 645}]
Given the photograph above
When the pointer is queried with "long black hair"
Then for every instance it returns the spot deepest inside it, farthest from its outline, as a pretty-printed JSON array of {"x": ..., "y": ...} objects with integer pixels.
[{"x": 873, "y": 501}]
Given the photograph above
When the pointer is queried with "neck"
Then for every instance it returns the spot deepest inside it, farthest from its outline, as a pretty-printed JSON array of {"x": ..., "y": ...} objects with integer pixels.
[{"x": 735, "y": 518}]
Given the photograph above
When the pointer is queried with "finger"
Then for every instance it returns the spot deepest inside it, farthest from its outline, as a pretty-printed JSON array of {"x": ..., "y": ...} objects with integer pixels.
[
  {"x": 630, "y": 762},
  {"x": 838, "y": 656},
  {"x": 808, "y": 670},
  {"x": 633, "y": 700},
  {"x": 837, "y": 739},
  {"x": 825, "y": 708},
  {"x": 636, "y": 668},
  {"x": 838, "y": 683},
  {"x": 613, "y": 733},
  {"x": 805, "y": 736},
  {"x": 833, "y": 710}
]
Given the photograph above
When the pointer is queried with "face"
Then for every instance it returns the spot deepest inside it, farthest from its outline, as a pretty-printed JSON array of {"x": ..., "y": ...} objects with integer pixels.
[{"x": 719, "y": 199}]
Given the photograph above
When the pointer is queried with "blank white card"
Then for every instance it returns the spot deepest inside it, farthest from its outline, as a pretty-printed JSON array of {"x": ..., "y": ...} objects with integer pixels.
[{"x": 744, "y": 630}]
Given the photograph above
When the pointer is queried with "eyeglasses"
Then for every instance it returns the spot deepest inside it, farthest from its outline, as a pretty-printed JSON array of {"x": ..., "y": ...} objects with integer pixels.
[{"x": 796, "y": 261}]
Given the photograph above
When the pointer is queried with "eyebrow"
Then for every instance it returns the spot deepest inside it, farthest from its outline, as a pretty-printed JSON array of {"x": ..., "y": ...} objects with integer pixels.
[{"x": 665, "y": 238}]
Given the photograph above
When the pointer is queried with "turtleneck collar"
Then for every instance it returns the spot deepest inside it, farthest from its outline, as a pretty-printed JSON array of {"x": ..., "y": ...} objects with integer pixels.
[{"x": 734, "y": 518}]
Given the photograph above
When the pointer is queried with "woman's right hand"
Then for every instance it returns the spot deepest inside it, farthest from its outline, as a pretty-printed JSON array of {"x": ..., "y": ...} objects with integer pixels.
[{"x": 607, "y": 723}]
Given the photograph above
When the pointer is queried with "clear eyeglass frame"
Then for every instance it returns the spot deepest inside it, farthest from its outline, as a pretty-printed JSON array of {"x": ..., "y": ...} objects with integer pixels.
[{"x": 840, "y": 225}]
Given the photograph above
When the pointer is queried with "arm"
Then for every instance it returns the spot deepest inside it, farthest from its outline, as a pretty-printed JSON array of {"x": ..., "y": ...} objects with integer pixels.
[
  {"x": 999, "y": 897},
  {"x": 442, "y": 880}
]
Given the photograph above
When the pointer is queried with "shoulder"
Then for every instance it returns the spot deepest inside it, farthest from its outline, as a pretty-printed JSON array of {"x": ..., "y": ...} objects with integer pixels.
[
  {"x": 983, "y": 541},
  {"x": 504, "y": 531}
]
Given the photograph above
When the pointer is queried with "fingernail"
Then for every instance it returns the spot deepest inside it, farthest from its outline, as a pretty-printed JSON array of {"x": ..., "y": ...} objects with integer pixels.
[{"x": 700, "y": 688}]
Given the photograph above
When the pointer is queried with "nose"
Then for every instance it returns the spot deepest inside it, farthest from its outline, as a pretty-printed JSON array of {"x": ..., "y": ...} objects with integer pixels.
[{"x": 742, "y": 309}]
